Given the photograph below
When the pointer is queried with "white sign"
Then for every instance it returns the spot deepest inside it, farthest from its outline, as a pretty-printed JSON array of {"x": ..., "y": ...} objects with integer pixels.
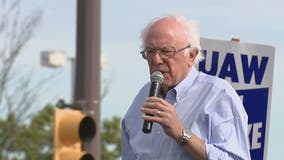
[{"x": 249, "y": 68}]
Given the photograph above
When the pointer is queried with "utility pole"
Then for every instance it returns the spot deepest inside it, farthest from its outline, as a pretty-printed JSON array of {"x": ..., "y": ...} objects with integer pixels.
[{"x": 87, "y": 74}]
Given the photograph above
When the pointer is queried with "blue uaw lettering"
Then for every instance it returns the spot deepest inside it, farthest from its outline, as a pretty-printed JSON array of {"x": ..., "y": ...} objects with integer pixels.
[
  {"x": 253, "y": 67},
  {"x": 214, "y": 63},
  {"x": 254, "y": 131},
  {"x": 229, "y": 69}
]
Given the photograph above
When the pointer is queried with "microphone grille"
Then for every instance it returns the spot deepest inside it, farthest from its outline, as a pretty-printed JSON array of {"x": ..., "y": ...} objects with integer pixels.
[{"x": 157, "y": 76}]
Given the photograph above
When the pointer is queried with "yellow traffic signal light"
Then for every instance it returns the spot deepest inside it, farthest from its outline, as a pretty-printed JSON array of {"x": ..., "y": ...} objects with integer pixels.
[{"x": 71, "y": 128}]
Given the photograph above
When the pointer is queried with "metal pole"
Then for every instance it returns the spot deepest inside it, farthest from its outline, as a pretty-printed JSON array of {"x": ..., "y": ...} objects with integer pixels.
[
  {"x": 72, "y": 61},
  {"x": 87, "y": 78}
]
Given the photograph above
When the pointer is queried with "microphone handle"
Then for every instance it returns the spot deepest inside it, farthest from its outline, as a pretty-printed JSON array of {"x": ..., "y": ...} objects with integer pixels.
[{"x": 154, "y": 91}]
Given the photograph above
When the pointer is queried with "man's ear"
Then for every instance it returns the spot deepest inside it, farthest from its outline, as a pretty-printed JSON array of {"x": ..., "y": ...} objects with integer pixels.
[{"x": 192, "y": 55}]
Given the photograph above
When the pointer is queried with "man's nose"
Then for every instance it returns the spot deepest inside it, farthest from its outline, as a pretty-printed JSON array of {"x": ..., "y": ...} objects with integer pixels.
[{"x": 157, "y": 58}]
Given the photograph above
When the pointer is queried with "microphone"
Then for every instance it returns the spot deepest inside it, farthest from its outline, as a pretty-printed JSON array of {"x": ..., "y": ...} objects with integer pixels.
[{"x": 156, "y": 82}]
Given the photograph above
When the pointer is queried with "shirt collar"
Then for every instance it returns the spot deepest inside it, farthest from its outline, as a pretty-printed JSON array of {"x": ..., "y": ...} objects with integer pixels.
[{"x": 185, "y": 84}]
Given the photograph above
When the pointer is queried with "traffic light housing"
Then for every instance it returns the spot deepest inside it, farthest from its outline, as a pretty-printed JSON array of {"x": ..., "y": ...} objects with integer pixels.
[{"x": 71, "y": 128}]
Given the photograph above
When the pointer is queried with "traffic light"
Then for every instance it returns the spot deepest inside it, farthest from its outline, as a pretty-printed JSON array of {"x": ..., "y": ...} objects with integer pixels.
[{"x": 71, "y": 128}]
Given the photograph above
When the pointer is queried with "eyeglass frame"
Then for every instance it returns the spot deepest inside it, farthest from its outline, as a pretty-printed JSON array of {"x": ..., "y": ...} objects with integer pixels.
[{"x": 143, "y": 53}]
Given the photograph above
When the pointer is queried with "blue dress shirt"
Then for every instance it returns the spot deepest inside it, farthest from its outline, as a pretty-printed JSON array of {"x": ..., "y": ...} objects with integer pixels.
[{"x": 206, "y": 105}]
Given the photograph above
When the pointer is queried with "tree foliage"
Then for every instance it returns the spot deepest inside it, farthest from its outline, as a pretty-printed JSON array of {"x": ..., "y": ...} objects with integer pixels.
[
  {"x": 39, "y": 132},
  {"x": 17, "y": 95},
  {"x": 111, "y": 138},
  {"x": 27, "y": 141}
]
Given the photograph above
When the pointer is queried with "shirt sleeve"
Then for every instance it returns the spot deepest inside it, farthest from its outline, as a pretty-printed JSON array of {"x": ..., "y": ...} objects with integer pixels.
[
  {"x": 215, "y": 153},
  {"x": 228, "y": 138},
  {"x": 127, "y": 153}
]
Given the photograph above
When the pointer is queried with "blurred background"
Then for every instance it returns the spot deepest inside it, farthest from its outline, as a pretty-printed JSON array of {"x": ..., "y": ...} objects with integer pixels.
[{"x": 29, "y": 89}]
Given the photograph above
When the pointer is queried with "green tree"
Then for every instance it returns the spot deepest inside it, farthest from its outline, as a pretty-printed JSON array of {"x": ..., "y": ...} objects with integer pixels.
[
  {"x": 8, "y": 143},
  {"x": 16, "y": 94},
  {"x": 31, "y": 141},
  {"x": 40, "y": 134},
  {"x": 111, "y": 138}
]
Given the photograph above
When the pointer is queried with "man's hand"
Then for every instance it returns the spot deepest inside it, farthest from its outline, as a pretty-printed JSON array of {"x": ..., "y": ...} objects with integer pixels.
[{"x": 164, "y": 114}]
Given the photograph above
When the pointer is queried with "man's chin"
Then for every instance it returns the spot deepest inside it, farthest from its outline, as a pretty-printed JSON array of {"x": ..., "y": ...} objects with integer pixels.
[{"x": 166, "y": 86}]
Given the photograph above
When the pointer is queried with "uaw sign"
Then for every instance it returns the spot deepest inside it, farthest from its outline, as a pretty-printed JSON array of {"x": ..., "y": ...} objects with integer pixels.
[{"x": 249, "y": 68}]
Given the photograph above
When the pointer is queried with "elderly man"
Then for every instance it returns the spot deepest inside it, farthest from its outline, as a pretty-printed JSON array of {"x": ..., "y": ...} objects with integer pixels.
[{"x": 196, "y": 116}]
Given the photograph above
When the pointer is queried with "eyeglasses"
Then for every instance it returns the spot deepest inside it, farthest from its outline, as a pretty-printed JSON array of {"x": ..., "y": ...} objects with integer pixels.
[{"x": 164, "y": 53}]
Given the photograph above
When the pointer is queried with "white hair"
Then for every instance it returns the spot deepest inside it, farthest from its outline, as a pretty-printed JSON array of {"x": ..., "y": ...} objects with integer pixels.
[{"x": 190, "y": 29}]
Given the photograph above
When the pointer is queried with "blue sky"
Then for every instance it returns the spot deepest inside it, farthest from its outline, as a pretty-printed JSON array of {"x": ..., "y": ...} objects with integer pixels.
[{"x": 255, "y": 21}]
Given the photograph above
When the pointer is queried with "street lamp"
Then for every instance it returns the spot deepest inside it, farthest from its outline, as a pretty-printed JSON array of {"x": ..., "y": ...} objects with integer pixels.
[
  {"x": 53, "y": 58},
  {"x": 58, "y": 59}
]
